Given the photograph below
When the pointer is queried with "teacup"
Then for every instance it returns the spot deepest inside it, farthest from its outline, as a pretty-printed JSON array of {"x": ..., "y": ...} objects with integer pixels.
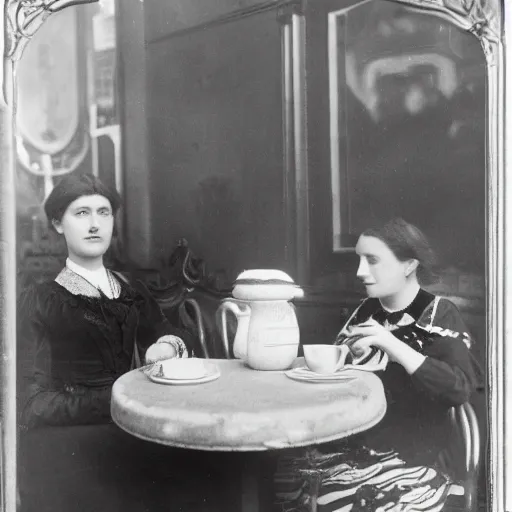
[{"x": 325, "y": 358}]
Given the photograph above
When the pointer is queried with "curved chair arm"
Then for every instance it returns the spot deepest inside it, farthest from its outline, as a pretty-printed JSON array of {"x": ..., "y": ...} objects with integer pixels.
[
  {"x": 199, "y": 321},
  {"x": 474, "y": 462},
  {"x": 222, "y": 326},
  {"x": 465, "y": 416},
  {"x": 465, "y": 420}
]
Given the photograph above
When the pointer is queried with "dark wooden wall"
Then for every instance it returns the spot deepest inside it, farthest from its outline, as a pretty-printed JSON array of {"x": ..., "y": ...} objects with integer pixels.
[{"x": 215, "y": 143}]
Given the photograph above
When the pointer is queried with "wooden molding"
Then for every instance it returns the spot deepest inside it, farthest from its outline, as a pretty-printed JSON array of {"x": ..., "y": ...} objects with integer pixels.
[{"x": 281, "y": 6}]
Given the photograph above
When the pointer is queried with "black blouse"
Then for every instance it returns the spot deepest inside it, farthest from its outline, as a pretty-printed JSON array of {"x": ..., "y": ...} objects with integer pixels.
[
  {"x": 72, "y": 347},
  {"x": 416, "y": 422}
]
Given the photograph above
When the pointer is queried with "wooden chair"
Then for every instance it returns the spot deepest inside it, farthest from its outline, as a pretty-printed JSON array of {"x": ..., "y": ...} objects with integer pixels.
[
  {"x": 199, "y": 313},
  {"x": 466, "y": 428},
  {"x": 465, "y": 424}
]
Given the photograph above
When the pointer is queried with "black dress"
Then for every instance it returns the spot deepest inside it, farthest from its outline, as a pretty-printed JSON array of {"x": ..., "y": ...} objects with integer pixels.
[
  {"x": 73, "y": 343},
  {"x": 404, "y": 457}
]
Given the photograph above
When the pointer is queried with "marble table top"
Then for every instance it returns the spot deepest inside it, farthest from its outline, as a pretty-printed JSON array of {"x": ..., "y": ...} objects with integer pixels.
[{"x": 246, "y": 410}]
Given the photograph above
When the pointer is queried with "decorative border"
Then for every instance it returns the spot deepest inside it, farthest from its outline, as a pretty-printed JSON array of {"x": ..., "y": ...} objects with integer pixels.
[
  {"x": 22, "y": 19},
  {"x": 483, "y": 18}
]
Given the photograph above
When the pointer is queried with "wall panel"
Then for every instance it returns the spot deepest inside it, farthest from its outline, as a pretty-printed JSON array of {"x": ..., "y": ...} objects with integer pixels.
[{"x": 215, "y": 143}]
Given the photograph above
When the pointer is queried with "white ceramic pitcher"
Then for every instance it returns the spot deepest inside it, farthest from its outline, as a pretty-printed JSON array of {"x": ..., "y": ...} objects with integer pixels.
[{"x": 267, "y": 335}]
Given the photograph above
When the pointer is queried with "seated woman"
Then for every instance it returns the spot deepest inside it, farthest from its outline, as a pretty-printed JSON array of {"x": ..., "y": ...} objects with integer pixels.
[
  {"x": 88, "y": 326},
  {"x": 429, "y": 370},
  {"x": 76, "y": 336}
]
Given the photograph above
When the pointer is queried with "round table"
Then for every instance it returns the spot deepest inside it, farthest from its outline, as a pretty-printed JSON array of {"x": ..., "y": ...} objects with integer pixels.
[{"x": 246, "y": 410}]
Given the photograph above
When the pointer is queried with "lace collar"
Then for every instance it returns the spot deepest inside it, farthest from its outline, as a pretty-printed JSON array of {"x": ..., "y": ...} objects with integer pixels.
[{"x": 78, "y": 284}]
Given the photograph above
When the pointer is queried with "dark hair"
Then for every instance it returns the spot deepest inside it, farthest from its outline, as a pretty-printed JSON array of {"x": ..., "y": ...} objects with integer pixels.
[
  {"x": 72, "y": 187},
  {"x": 408, "y": 242}
]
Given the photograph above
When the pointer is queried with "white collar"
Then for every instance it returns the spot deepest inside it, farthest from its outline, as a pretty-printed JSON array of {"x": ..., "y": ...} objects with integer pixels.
[{"x": 98, "y": 278}]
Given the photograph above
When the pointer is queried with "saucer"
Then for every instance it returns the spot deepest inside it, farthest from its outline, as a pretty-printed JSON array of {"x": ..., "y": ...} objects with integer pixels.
[
  {"x": 180, "y": 382},
  {"x": 304, "y": 374},
  {"x": 208, "y": 372}
]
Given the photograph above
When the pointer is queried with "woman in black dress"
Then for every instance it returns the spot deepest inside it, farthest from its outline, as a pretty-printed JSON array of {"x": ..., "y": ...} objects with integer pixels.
[
  {"x": 77, "y": 335},
  {"x": 399, "y": 465}
]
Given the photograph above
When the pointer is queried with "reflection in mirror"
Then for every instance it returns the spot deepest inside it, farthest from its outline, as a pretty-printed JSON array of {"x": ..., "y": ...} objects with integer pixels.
[
  {"x": 52, "y": 137},
  {"x": 407, "y": 94},
  {"x": 67, "y": 122}
]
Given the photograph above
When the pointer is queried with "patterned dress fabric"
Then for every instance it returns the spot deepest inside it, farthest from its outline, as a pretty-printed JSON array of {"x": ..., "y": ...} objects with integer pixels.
[{"x": 407, "y": 462}]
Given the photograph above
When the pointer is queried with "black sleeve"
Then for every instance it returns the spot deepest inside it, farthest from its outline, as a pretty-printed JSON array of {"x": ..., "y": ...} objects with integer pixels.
[
  {"x": 75, "y": 406},
  {"x": 39, "y": 401},
  {"x": 449, "y": 373}
]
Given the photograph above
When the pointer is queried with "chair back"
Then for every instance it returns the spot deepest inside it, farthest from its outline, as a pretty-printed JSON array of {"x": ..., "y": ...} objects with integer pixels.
[
  {"x": 190, "y": 296},
  {"x": 197, "y": 313}
]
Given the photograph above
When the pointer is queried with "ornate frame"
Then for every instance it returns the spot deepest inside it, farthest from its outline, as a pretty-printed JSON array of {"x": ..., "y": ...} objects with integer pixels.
[{"x": 483, "y": 18}]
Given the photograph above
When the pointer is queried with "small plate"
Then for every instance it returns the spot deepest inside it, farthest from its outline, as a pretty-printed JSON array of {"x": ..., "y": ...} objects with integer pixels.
[
  {"x": 304, "y": 374},
  {"x": 209, "y": 371},
  {"x": 179, "y": 382}
]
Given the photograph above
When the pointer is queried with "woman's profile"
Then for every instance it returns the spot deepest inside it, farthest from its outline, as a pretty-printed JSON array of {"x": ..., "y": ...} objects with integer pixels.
[{"x": 402, "y": 461}]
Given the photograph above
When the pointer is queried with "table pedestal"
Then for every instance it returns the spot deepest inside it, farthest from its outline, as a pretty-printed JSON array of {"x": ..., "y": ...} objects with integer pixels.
[
  {"x": 250, "y": 487},
  {"x": 256, "y": 479}
]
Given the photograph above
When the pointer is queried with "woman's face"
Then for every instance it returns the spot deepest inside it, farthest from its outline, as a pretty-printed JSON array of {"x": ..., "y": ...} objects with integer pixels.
[
  {"x": 87, "y": 226},
  {"x": 379, "y": 269}
]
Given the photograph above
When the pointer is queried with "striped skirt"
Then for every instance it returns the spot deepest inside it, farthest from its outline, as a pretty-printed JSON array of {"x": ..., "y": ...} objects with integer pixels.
[{"x": 358, "y": 479}]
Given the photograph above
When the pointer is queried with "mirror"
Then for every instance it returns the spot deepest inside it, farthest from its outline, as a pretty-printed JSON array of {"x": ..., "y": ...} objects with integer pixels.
[
  {"x": 407, "y": 117},
  {"x": 459, "y": 81}
]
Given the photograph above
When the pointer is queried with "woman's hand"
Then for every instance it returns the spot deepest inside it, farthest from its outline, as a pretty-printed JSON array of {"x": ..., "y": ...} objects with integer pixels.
[
  {"x": 371, "y": 333},
  {"x": 368, "y": 334},
  {"x": 159, "y": 352},
  {"x": 165, "y": 347}
]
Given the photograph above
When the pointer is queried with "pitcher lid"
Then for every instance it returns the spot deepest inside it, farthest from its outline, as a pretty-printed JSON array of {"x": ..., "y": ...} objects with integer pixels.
[{"x": 264, "y": 276}]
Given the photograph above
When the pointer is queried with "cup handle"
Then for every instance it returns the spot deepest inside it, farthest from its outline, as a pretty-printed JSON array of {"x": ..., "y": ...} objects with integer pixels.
[{"x": 344, "y": 350}]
